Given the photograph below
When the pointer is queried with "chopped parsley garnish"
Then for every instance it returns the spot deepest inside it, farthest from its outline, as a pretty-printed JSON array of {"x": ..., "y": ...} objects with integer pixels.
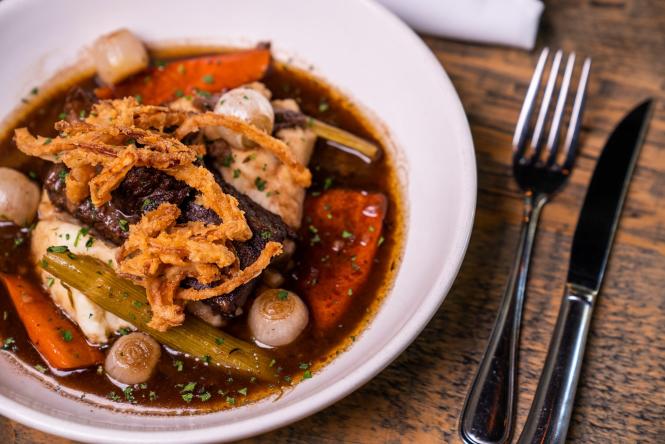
[
  {"x": 62, "y": 175},
  {"x": 381, "y": 239},
  {"x": 202, "y": 93},
  {"x": 49, "y": 282},
  {"x": 123, "y": 331},
  {"x": 138, "y": 98},
  {"x": 57, "y": 249},
  {"x": 113, "y": 396},
  {"x": 62, "y": 116},
  {"x": 129, "y": 394},
  {"x": 32, "y": 175},
  {"x": 228, "y": 160},
  {"x": 89, "y": 242},
  {"x": 137, "y": 304},
  {"x": 18, "y": 241},
  {"x": 266, "y": 235},
  {"x": 303, "y": 366},
  {"x": 272, "y": 363},
  {"x": 179, "y": 93},
  {"x": 146, "y": 203},
  {"x": 187, "y": 397},
  {"x": 287, "y": 378},
  {"x": 82, "y": 114},
  {"x": 230, "y": 400},
  {"x": 260, "y": 183},
  {"x": 219, "y": 341},
  {"x": 9, "y": 344},
  {"x": 236, "y": 173},
  {"x": 206, "y": 359},
  {"x": 243, "y": 391},
  {"x": 323, "y": 106},
  {"x": 48, "y": 141},
  {"x": 346, "y": 234},
  {"x": 189, "y": 387},
  {"x": 313, "y": 229},
  {"x": 82, "y": 232},
  {"x": 124, "y": 225},
  {"x": 66, "y": 335},
  {"x": 205, "y": 396},
  {"x": 306, "y": 374},
  {"x": 178, "y": 364},
  {"x": 282, "y": 295},
  {"x": 209, "y": 79},
  {"x": 152, "y": 395},
  {"x": 40, "y": 368},
  {"x": 327, "y": 183},
  {"x": 34, "y": 91}
]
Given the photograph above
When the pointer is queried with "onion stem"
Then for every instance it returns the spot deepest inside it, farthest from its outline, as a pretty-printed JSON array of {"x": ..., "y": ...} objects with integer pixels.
[{"x": 128, "y": 301}]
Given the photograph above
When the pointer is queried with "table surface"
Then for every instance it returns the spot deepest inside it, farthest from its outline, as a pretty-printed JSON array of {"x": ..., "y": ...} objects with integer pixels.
[{"x": 621, "y": 395}]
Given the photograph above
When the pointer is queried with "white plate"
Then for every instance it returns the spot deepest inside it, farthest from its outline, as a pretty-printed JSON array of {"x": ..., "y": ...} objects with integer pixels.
[{"x": 360, "y": 48}]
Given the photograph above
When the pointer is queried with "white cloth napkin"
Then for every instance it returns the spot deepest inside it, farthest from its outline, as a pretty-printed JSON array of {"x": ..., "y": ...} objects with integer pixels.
[{"x": 504, "y": 22}]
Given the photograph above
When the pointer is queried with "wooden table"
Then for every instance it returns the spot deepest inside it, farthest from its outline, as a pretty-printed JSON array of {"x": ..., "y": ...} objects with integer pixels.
[{"x": 621, "y": 396}]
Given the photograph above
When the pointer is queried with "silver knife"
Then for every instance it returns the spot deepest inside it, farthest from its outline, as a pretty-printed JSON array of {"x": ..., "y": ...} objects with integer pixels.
[{"x": 553, "y": 402}]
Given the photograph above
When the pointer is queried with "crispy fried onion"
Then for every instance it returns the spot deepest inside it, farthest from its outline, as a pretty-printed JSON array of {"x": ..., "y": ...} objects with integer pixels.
[
  {"x": 119, "y": 135},
  {"x": 164, "y": 254}
]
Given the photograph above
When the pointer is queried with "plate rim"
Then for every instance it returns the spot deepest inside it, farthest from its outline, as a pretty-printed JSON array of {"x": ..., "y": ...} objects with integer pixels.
[{"x": 337, "y": 390}]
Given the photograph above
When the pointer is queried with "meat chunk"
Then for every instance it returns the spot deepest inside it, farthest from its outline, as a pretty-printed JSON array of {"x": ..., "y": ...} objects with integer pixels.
[{"x": 144, "y": 189}]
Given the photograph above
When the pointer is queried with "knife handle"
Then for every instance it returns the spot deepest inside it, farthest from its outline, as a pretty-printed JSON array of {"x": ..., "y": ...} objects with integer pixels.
[{"x": 553, "y": 402}]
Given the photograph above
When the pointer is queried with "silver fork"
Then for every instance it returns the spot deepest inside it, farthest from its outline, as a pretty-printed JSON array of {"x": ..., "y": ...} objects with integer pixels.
[{"x": 487, "y": 416}]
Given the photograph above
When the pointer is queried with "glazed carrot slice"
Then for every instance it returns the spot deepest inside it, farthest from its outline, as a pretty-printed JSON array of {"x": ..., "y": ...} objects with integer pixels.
[
  {"x": 342, "y": 229},
  {"x": 58, "y": 340},
  {"x": 163, "y": 83}
]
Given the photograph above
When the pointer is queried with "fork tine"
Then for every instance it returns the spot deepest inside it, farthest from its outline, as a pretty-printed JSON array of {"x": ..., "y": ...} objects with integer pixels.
[
  {"x": 522, "y": 127},
  {"x": 570, "y": 147},
  {"x": 553, "y": 138},
  {"x": 536, "y": 139}
]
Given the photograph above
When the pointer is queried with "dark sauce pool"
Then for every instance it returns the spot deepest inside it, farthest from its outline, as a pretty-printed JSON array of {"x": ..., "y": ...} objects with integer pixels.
[{"x": 217, "y": 389}]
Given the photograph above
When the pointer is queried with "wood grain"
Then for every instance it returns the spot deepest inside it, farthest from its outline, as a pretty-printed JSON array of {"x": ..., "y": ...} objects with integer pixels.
[{"x": 621, "y": 396}]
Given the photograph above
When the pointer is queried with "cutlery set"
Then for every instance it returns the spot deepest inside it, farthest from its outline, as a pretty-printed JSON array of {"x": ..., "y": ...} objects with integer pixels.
[{"x": 541, "y": 166}]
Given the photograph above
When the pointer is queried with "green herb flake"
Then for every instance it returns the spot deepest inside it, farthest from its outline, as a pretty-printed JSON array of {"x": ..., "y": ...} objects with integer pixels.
[
  {"x": 187, "y": 397},
  {"x": 137, "y": 304},
  {"x": 123, "y": 331},
  {"x": 189, "y": 387},
  {"x": 66, "y": 335},
  {"x": 178, "y": 365},
  {"x": 146, "y": 203},
  {"x": 381, "y": 240},
  {"x": 227, "y": 160},
  {"x": 236, "y": 173},
  {"x": 282, "y": 295},
  {"x": 230, "y": 400},
  {"x": 82, "y": 114},
  {"x": 208, "y": 79},
  {"x": 306, "y": 374},
  {"x": 272, "y": 363},
  {"x": 179, "y": 93},
  {"x": 124, "y": 225},
  {"x": 260, "y": 183},
  {"x": 18, "y": 241},
  {"x": 62, "y": 175},
  {"x": 327, "y": 183},
  {"x": 243, "y": 391},
  {"x": 48, "y": 141},
  {"x": 323, "y": 106},
  {"x": 219, "y": 341},
  {"x": 205, "y": 396},
  {"x": 113, "y": 396},
  {"x": 34, "y": 91},
  {"x": 152, "y": 396},
  {"x": 62, "y": 116},
  {"x": 346, "y": 234},
  {"x": 40, "y": 368},
  {"x": 206, "y": 359},
  {"x": 266, "y": 235},
  {"x": 81, "y": 233},
  {"x": 303, "y": 366},
  {"x": 49, "y": 282},
  {"x": 57, "y": 249},
  {"x": 89, "y": 242}
]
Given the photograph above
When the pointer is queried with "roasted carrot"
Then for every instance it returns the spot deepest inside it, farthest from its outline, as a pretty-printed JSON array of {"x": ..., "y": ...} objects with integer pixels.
[
  {"x": 57, "y": 339},
  {"x": 166, "y": 82},
  {"x": 342, "y": 229}
]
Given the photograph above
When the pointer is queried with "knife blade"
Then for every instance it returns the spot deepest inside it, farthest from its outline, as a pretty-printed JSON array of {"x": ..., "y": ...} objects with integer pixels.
[
  {"x": 553, "y": 402},
  {"x": 604, "y": 199}
]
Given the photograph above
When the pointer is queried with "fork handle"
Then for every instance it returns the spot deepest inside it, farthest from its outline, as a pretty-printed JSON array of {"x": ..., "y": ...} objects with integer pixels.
[{"x": 487, "y": 416}]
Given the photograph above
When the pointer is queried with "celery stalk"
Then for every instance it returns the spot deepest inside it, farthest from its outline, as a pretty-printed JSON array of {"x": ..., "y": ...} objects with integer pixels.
[
  {"x": 128, "y": 301},
  {"x": 347, "y": 140}
]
